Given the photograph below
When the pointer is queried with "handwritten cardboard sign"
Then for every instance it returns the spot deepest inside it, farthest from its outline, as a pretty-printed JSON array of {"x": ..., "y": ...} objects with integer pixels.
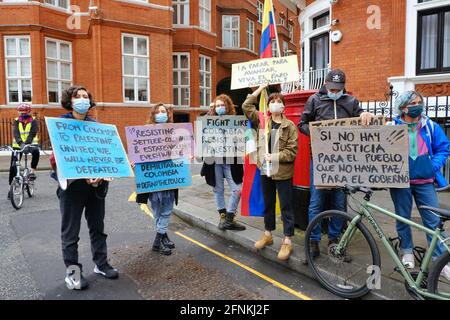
[
  {"x": 160, "y": 142},
  {"x": 221, "y": 137},
  {"x": 352, "y": 155},
  {"x": 86, "y": 149},
  {"x": 263, "y": 71},
  {"x": 375, "y": 121},
  {"x": 163, "y": 175}
]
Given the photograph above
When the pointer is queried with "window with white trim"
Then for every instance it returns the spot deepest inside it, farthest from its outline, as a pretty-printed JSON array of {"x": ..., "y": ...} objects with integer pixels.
[
  {"x": 135, "y": 68},
  {"x": 181, "y": 79},
  {"x": 260, "y": 11},
  {"x": 64, "y": 4},
  {"x": 291, "y": 32},
  {"x": 18, "y": 69},
  {"x": 230, "y": 31},
  {"x": 250, "y": 35},
  {"x": 282, "y": 21},
  {"x": 180, "y": 12},
  {"x": 274, "y": 48},
  {"x": 205, "y": 14},
  {"x": 205, "y": 81},
  {"x": 285, "y": 48},
  {"x": 58, "y": 58}
]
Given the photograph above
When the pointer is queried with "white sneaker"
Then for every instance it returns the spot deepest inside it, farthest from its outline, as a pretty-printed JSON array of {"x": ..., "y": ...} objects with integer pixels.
[
  {"x": 408, "y": 260},
  {"x": 446, "y": 272}
]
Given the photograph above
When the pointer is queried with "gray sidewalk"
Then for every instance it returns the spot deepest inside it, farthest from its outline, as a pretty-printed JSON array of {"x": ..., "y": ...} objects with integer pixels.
[{"x": 197, "y": 206}]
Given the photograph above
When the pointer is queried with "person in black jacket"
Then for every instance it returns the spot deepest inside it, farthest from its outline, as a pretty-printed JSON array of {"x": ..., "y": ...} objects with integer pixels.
[
  {"x": 217, "y": 170},
  {"x": 331, "y": 102}
]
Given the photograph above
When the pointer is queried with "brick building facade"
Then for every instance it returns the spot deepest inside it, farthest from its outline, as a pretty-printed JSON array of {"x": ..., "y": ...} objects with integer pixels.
[{"x": 131, "y": 53}]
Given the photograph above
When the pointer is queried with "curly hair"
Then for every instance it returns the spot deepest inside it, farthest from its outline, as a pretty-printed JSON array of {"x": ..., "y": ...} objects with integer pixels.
[
  {"x": 68, "y": 94},
  {"x": 153, "y": 111},
  {"x": 229, "y": 105}
]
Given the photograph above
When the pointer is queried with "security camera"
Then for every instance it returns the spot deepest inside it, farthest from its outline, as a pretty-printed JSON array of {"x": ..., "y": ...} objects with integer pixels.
[
  {"x": 334, "y": 22},
  {"x": 333, "y": 1}
]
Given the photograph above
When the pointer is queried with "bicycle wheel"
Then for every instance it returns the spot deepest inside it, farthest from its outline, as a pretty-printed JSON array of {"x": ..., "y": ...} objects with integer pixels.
[
  {"x": 348, "y": 279},
  {"x": 30, "y": 188},
  {"x": 437, "y": 283},
  {"x": 16, "y": 190}
]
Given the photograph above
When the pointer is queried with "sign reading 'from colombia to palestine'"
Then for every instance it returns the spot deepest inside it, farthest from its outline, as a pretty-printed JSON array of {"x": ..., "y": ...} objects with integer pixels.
[
  {"x": 264, "y": 71},
  {"x": 374, "y": 156}
]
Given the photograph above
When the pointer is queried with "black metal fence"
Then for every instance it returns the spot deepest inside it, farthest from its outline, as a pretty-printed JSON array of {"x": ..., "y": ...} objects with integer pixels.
[{"x": 6, "y": 133}]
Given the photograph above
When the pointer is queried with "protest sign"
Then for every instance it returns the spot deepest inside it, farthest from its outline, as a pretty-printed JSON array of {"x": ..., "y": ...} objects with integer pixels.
[
  {"x": 375, "y": 121},
  {"x": 160, "y": 142},
  {"x": 264, "y": 71},
  {"x": 163, "y": 175},
  {"x": 221, "y": 137},
  {"x": 360, "y": 156},
  {"x": 86, "y": 149}
]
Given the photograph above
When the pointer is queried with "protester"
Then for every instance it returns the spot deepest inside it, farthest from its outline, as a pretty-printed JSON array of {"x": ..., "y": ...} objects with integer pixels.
[
  {"x": 78, "y": 195},
  {"x": 331, "y": 102},
  {"x": 280, "y": 158},
  {"x": 25, "y": 132},
  {"x": 219, "y": 169},
  {"x": 162, "y": 202},
  {"x": 429, "y": 148}
]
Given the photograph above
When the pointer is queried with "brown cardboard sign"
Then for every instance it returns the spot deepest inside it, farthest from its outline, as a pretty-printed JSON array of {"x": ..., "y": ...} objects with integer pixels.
[
  {"x": 374, "y": 156},
  {"x": 375, "y": 121}
]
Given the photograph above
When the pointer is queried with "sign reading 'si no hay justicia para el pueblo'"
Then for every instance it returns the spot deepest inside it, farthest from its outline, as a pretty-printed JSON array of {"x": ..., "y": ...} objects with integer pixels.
[{"x": 374, "y": 156}]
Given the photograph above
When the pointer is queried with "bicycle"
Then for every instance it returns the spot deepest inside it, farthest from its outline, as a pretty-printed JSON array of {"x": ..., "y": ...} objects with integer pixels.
[
  {"x": 350, "y": 279},
  {"x": 22, "y": 180}
]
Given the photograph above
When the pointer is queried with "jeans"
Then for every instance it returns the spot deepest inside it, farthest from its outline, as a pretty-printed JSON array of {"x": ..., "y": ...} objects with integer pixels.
[
  {"x": 80, "y": 196},
  {"x": 162, "y": 203},
  {"x": 284, "y": 188},
  {"x": 325, "y": 199},
  {"x": 424, "y": 195},
  {"x": 222, "y": 172}
]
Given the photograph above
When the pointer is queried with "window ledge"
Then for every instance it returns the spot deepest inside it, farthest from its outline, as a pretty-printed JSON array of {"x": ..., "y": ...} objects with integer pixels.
[
  {"x": 147, "y": 4},
  {"x": 432, "y": 78}
]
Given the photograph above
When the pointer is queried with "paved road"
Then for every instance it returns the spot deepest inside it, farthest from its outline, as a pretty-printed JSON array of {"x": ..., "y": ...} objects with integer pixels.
[{"x": 202, "y": 267}]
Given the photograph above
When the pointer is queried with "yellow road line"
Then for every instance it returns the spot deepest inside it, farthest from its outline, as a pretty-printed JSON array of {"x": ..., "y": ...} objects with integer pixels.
[
  {"x": 144, "y": 207},
  {"x": 257, "y": 273}
]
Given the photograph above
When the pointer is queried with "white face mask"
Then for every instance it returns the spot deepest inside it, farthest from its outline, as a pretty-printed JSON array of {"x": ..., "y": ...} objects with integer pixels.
[{"x": 276, "y": 107}]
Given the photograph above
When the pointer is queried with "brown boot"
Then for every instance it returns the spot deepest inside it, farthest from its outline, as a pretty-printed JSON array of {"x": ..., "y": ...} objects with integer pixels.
[
  {"x": 285, "y": 252},
  {"x": 264, "y": 241}
]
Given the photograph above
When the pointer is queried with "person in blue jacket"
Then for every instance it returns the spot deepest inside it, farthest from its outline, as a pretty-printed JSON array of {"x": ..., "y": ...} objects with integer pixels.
[{"x": 429, "y": 148}]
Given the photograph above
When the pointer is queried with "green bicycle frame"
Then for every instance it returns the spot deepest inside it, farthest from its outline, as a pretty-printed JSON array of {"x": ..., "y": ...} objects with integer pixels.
[{"x": 436, "y": 236}]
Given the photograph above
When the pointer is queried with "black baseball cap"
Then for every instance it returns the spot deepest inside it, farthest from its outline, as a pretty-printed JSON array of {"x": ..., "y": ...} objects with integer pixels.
[{"x": 335, "y": 79}]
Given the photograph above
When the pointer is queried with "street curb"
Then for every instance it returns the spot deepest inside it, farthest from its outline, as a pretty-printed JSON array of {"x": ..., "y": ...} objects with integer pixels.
[{"x": 390, "y": 289}]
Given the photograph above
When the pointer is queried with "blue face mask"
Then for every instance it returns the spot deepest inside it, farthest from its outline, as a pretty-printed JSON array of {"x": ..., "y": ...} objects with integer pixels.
[
  {"x": 221, "y": 111},
  {"x": 81, "y": 105},
  {"x": 161, "y": 117},
  {"x": 335, "y": 96},
  {"x": 415, "y": 111}
]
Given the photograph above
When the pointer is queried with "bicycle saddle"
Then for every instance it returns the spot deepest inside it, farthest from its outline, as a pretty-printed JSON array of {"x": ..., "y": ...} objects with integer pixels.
[{"x": 443, "y": 213}]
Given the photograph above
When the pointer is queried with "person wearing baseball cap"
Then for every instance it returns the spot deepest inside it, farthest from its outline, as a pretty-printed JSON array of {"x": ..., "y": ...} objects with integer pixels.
[
  {"x": 25, "y": 131},
  {"x": 331, "y": 102}
]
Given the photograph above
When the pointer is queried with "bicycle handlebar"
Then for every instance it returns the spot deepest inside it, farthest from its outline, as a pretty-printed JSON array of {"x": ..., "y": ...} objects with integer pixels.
[{"x": 9, "y": 148}]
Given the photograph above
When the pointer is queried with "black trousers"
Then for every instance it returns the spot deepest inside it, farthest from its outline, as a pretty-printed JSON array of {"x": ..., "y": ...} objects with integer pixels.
[
  {"x": 80, "y": 196},
  {"x": 284, "y": 188},
  {"x": 34, "y": 163}
]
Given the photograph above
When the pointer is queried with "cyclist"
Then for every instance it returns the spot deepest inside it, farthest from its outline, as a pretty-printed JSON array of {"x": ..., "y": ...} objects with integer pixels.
[
  {"x": 25, "y": 131},
  {"x": 428, "y": 151}
]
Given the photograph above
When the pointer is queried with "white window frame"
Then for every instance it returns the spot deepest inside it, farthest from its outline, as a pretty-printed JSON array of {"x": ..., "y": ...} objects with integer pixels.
[
  {"x": 260, "y": 7},
  {"x": 282, "y": 21},
  {"x": 231, "y": 17},
  {"x": 18, "y": 59},
  {"x": 291, "y": 32},
  {"x": 57, "y": 4},
  {"x": 178, "y": 4},
  {"x": 204, "y": 12},
  {"x": 205, "y": 88},
  {"x": 250, "y": 35},
  {"x": 58, "y": 61},
  {"x": 180, "y": 86},
  {"x": 275, "y": 52},
  {"x": 285, "y": 48},
  {"x": 135, "y": 76}
]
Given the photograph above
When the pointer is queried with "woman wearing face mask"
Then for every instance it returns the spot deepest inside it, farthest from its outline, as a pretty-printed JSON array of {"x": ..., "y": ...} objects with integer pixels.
[
  {"x": 283, "y": 147},
  {"x": 76, "y": 196},
  {"x": 162, "y": 202},
  {"x": 217, "y": 170},
  {"x": 428, "y": 152}
]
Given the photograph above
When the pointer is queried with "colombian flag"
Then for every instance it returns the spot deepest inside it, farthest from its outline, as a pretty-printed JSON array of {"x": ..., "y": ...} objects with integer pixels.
[{"x": 252, "y": 196}]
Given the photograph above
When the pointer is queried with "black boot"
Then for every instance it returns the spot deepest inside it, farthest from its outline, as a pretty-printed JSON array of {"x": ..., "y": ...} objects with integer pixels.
[
  {"x": 230, "y": 224},
  {"x": 223, "y": 214},
  {"x": 167, "y": 242},
  {"x": 158, "y": 245}
]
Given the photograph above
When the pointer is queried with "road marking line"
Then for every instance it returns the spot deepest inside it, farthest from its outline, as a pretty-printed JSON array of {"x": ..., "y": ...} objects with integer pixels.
[
  {"x": 251, "y": 270},
  {"x": 144, "y": 207}
]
